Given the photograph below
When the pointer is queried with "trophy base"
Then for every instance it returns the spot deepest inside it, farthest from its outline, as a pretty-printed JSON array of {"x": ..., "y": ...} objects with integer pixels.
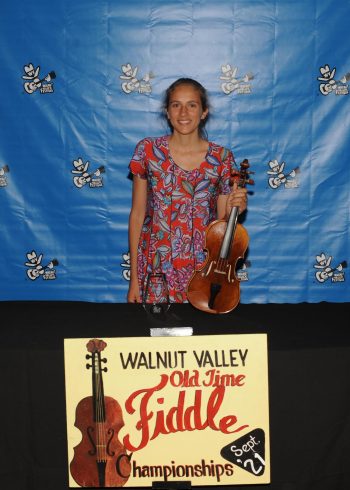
[
  {"x": 163, "y": 323},
  {"x": 171, "y": 331}
]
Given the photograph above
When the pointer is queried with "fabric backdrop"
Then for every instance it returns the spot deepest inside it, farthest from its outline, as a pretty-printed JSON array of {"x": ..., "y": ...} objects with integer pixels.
[{"x": 83, "y": 81}]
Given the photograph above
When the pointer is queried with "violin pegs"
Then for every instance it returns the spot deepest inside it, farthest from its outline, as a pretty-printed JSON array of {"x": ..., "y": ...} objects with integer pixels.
[
  {"x": 88, "y": 357},
  {"x": 104, "y": 360},
  {"x": 88, "y": 366}
]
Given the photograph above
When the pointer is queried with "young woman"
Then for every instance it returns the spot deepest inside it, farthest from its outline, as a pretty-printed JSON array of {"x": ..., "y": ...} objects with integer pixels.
[{"x": 181, "y": 183}]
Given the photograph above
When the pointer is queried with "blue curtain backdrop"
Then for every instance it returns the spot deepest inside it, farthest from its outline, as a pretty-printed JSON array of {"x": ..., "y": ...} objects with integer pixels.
[{"x": 82, "y": 82}]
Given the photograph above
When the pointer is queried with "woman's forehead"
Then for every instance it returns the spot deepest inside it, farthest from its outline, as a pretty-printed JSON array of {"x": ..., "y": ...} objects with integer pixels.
[{"x": 185, "y": 91}]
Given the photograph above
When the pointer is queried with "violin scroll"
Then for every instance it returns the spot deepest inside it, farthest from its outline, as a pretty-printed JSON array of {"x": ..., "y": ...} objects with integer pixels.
[{"x": 241, "y": 176}]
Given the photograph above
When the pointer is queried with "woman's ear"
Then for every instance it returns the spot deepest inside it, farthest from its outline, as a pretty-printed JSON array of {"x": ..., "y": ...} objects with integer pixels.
[{"x": 205, "y": 113}]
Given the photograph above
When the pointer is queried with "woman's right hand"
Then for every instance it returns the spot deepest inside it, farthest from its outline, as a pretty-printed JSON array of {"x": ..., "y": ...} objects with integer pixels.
[{"x": 134, "y": 293}]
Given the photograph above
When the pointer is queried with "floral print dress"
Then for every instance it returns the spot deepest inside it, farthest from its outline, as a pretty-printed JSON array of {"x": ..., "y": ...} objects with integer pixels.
[{"x": 180, "y": 205}]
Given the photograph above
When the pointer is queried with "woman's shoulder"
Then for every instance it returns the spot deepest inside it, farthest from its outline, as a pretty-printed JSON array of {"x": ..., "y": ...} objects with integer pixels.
[
  {"x": 221, "y": 152},
  {"x": 154, "y": 141}
]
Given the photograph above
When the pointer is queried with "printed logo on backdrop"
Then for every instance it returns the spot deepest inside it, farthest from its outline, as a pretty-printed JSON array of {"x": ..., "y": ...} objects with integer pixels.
[
  {"x": 279, "y": 177},
  {"x": 35, "y": 82},
  {"x": 326, "y": 271},
  {"x": 3, "y": 171},
  {"x": 231, "y": 82},
  {"x": 84, "y": 176},
  {"x": 329, "y": 84},
  {"x": 242, "y": 271},
  {"x": 132, "y": 81},
  {"x": 126, "y": 266},
  {"x": 36, "y": 269}
]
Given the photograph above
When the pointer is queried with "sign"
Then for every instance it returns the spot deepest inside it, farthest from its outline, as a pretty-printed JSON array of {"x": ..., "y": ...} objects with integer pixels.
[{"x": 145, "y": 410}]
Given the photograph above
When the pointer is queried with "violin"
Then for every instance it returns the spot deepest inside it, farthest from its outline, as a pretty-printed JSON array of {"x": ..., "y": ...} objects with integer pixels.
[
  {"x": 99, "y": 459},
  {"x": 214, "y": 287}
]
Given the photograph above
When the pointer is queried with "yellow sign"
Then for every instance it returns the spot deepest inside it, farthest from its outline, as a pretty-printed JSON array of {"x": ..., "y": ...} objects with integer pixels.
[{"x": 160, "y": 409}]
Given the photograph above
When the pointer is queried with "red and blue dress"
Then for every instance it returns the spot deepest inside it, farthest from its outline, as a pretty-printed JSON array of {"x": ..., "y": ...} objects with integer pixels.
[{"x": 180, "y": 206}]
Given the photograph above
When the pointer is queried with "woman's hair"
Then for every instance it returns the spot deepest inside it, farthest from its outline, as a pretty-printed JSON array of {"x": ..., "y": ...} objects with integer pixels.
[{"x": 203, "y": 97}]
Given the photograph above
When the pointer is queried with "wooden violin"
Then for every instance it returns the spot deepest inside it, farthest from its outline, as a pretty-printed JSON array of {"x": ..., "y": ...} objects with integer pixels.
[
  {"x": 99, "y": 459},
  {"x": 214, "y": 287}
]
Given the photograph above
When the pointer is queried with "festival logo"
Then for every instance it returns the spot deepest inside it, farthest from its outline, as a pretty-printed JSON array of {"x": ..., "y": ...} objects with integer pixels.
[
  {"x": 83, "y": 176},
  {"x": 36, "y": 269},
  {"x": 326, "y": 272},
  {"x": 242, "y": 271},
  {"x": 3, "y": 171},
  {"x": 167, "y": 409},
  {"x": 34, "y": 82},
  {"x": 231, "y": 82},
  {"x": 126, "y": 266},
  {"x": 278, "y": 176},
  {"x": 132, "y": 82},
  {"x": 329, "y": 84}
]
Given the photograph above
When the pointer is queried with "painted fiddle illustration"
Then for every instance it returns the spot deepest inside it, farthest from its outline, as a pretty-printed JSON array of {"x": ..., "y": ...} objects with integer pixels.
[{"x": 100, "y": 459}]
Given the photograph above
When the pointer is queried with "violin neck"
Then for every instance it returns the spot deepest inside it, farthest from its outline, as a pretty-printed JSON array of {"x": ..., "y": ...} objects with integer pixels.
[
  {"x": 230, "y": 230},
  {"x": 97, "y": 390}
]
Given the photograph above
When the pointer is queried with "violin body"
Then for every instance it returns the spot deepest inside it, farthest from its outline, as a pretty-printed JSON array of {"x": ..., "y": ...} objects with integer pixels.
[
  {"x": 218, "y": 272},
  {"x": 214, "y": 288},
  {"x": 100, "y": 459}
]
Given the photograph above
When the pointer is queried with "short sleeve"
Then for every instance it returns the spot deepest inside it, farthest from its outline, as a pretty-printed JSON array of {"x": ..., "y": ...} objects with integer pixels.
[
  {"x": 227, "y": 168},
  {"x": 137, "y": 165}
]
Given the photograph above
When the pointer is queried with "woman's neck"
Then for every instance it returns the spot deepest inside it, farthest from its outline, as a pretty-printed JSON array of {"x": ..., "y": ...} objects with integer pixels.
[{"x": 188, "y": 151}]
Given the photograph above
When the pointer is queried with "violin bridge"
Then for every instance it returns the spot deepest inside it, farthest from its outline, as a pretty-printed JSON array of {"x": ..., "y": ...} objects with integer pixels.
[{"x": 219, "y": 272}]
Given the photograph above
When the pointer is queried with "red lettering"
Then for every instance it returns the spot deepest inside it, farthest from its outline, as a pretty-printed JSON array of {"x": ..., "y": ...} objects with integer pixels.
[{"x": 177, "y": 418}]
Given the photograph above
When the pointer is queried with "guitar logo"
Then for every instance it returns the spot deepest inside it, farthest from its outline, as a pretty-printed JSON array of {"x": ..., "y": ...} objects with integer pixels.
[
  {"x": 37, "y": 269},
  {"x": 329, "y": 84},
  {"x": 34, "y": 82},
  {"x": 131, "y": 82},
  {"x": 231, "y": 82},
  {"x": 83, "y": 177},
  {"x": 278, "y": 177},
  {"x": 326, "y": 272},
  {"x": 126, "y": 266}
]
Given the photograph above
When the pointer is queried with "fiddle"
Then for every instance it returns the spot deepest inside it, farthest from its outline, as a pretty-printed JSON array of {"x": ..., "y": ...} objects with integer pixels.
[
  {"x": 214, "y": 287},
  {"x": 99, "y": 459}
]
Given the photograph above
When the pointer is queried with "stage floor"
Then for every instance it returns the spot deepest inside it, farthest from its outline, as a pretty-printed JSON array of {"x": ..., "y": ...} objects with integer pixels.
[{"x": 309, "y": 389}]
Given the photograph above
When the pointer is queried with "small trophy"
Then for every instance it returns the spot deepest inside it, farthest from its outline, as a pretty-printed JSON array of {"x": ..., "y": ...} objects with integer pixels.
[
  {"x": 156, "y": 303},
  {"x": 155, "y": 298}
]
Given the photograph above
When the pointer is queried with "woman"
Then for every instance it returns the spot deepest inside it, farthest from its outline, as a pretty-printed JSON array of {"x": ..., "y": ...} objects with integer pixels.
[{"x": 181, "y": 183}]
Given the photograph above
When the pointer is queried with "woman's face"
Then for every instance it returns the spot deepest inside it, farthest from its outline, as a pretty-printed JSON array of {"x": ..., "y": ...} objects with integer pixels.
[{"x": 185, "y": 110}]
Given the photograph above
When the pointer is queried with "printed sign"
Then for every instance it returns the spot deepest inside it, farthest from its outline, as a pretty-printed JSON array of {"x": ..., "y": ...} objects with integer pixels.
[{"x": 147, "y": 410}]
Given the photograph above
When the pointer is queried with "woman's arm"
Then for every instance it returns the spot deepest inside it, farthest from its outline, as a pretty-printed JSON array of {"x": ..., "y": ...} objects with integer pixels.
[{"x": 136, "y": 218}]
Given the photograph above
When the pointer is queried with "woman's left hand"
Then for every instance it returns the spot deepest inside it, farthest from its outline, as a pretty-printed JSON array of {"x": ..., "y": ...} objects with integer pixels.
[{"x": 237, "y": 198}]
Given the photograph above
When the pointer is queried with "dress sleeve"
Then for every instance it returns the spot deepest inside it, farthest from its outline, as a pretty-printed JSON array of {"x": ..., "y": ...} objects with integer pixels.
[
  {"x": 228, "y": 163},
  {"x": 137, "y": 165}
]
